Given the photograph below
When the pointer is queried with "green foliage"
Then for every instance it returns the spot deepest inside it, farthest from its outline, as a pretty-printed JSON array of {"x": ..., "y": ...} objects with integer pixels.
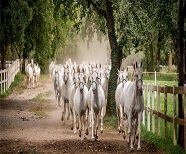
[
  {"x": 110, "y": 122},
  {"x": 16, "y": 15},
  {"x": 18, "y": 79},
  {"x": 161, "y": 77}
]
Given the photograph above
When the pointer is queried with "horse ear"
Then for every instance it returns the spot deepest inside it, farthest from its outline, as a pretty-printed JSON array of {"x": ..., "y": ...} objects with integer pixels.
[
  {"x": 136, "y": 65},
  {"x": 127, "y": 69},
  {"x": 118, "y": 72},
  {"x": 141, "y": 64},
  {"x": 78, "y": 70}
]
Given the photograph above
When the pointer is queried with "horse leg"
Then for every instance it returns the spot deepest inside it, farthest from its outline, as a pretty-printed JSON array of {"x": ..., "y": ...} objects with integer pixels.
[
  {"x": 139, "y": 129},
  {"x": 132, "y": 135},
  {"x": 121, "y": 116},
  {"x": 101, "y": 120},
  {"x": 130, "y": 130},
  {"x": 63, "y": 105},
  {"x": 86, "y": 122},
  {"x": 33, "y": 81},
  {"x": 80, "y": 125},
  {"x": 92, "y": 122},
  {"x": 117, "y": 112},
  {"x": 97, "y": 123},
  {"x": 74, "y": 122},
  {"x": 68, "y": 114}
]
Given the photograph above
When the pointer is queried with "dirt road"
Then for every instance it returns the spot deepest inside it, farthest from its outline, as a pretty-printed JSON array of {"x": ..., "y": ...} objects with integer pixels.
[{"x": 30, "y": 123}]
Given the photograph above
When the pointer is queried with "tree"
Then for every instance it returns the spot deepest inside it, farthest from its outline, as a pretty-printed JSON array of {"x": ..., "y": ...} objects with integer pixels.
[
  {"x": 180, "y": 55},
  {"x": 15, "y": 16}
]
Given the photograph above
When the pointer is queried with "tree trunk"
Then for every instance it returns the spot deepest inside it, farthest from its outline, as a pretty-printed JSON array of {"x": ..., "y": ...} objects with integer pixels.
[
  {"x": 116, "y": 59},
  {"x": 180, "y": 54},
  {"x": 150, "y": 59},
  {"x": 170, "y": 60},
  {"x": 160, "y": 38},
  {"x": 3, "y": 58}
]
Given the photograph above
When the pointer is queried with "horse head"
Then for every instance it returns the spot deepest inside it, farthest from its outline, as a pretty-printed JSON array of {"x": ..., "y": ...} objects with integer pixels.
[
  {"x": 138, "y": 77},
  {"x": 81, "y": 81},
  {"x": 66, "y": 74},
  {"x": 95, "y": 81},
  {"x": 124, "y": 76}
]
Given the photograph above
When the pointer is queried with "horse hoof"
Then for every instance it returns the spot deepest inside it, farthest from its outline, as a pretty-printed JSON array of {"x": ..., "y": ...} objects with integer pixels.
[
  {"x": 101, "y": 131},
  {"x": 71, "y": 128},
  {"x": 138, "y": 148},
  {"x": 96, "y": 137},
  {"x": 93, "y": 139},
  {"x": 124, "y": 136},
  {"x": 131, "y": 149},
  {"x": 137, "y": 137},
  {"x": 87, "y": 132}
]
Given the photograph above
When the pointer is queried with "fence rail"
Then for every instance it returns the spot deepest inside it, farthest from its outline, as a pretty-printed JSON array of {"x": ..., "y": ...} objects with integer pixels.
[
  {"x": 151, "y": 112},
  {"x": 7, "y": 75}
]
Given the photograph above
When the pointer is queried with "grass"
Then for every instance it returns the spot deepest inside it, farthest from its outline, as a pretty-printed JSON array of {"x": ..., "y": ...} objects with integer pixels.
[
  {"x": 41, "y": 97},
  {"x": 161, "y": 143},
  {"x": 110, "y": 122},
  {"x": 39, "y": 111},
  {"x": 17, "y": 83},
  {"x": 161, "y": 77}
]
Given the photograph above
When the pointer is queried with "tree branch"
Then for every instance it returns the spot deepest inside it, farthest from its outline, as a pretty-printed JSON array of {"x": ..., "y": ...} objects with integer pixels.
[
  {"x": 99, "y": 10},
  {"x": 184, "y": 11}
]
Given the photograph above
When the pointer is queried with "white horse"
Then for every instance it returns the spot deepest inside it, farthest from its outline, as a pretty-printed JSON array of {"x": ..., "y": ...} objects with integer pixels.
[
  {"x": 96, "y": 103},
  {"x": 119, "y": 104},
  {"x": 68, "y": 82},
  {"x": 37, "y": 73},
  {"x": 71, "y": 99},
  {"x": 81, "y": 106},
  {"x": 132, "y": 97},
  {"x": 30, "y": 75},
  {"x": 58, "y": 85}
]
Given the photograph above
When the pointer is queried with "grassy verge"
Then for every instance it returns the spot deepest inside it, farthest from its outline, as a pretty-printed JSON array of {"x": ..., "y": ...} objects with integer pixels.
[
  {"x": 18, "y": 79},
  {"x": 164, "y": 145}
]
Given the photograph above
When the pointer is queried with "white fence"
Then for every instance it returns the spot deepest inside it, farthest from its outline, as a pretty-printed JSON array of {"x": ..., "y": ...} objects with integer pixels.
[{"x": 7, "y": 75}]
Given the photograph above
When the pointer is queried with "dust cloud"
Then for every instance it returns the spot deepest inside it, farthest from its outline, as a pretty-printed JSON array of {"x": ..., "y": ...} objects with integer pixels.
[{"x": 95, "y": 51}]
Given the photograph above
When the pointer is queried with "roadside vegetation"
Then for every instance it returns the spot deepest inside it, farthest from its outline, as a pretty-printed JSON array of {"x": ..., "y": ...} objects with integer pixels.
[{"x": 19, "y": 78}]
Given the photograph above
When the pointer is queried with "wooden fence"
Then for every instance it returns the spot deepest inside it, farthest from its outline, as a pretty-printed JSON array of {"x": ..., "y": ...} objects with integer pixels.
[
  {"x": 153, "y": 109},
  {"x": 7, "y": 75}
]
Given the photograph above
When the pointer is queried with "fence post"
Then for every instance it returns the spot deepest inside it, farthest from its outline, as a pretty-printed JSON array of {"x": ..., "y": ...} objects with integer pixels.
[
  {"x": 158, "y": 87},
  {"x": 148, "y": 104},
  {"x": 155, "y": 82},
  {"x": 153, "y": 116},
  {"x": 174, "y": 116},
  {"x": 144, "y": 109},
  {"x": 185, "y": 116},
  {"x": 165, "y": 111}
]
